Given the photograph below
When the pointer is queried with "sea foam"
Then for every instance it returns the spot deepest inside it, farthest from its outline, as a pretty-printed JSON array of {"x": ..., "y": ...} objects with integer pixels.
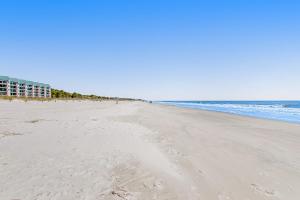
[{"x": 278, "y": 110}]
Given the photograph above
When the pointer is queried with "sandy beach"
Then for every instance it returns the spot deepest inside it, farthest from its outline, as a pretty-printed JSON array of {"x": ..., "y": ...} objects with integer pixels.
[{"x": 85, "y": 150}]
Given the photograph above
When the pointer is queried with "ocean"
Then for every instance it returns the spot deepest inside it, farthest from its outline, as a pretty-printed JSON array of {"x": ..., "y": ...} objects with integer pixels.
[{"x": 288, "y": 111}]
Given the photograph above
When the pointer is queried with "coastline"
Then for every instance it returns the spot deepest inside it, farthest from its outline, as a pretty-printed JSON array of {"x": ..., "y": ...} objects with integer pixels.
[
  {"x": 136, "y": 150},
  {"x": 259, "y": 113},
  {"x": 230, "y": 114}
]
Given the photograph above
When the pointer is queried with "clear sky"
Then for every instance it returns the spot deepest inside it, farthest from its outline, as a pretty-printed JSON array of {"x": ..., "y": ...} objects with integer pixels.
[{"x": 155, "y": 49}]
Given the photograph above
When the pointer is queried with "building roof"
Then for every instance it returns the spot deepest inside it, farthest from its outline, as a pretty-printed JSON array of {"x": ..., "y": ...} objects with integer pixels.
[{"x": 21, "y": 81}]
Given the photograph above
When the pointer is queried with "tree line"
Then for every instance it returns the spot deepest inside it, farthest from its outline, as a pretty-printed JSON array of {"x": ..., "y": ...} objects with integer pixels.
[{"x": 61, "y": 94}]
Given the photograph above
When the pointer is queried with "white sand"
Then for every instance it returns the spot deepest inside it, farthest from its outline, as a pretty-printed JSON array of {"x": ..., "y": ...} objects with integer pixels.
[{"x": 132, "y": 150}]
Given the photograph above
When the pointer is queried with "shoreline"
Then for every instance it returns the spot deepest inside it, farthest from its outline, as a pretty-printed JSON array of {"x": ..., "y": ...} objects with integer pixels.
[
  {"x": 136, "y": 150},
  {"x": 231, "y": 113}
]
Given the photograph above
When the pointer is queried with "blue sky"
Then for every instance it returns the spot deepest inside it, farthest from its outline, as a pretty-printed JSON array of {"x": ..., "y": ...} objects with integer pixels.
[{"x": 155, "y": 49}]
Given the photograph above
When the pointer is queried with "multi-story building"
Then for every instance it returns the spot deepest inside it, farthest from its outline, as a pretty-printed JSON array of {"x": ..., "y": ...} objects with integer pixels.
[{"x": 22, "y": 88}]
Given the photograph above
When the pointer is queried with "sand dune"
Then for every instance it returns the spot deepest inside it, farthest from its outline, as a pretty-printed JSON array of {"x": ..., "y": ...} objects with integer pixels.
[{"x": 86, "y": 150}]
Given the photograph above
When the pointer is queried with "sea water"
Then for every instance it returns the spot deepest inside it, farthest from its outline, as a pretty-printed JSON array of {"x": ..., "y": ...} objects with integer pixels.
[{"x": 278, "y": 110}]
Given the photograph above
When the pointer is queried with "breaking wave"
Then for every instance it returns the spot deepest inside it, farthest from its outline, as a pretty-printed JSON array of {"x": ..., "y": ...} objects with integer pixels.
[{"x": 277, "y": 110}]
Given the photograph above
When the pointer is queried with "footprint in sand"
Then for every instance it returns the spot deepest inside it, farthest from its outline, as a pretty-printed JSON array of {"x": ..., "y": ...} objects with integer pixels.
[
  {"x": 223, "y": 197},
  {"x": 263, "y": 191}
]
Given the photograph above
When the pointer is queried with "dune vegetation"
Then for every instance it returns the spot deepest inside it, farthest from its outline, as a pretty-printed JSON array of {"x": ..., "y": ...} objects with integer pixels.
[{"x": 61, "y": 94}]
